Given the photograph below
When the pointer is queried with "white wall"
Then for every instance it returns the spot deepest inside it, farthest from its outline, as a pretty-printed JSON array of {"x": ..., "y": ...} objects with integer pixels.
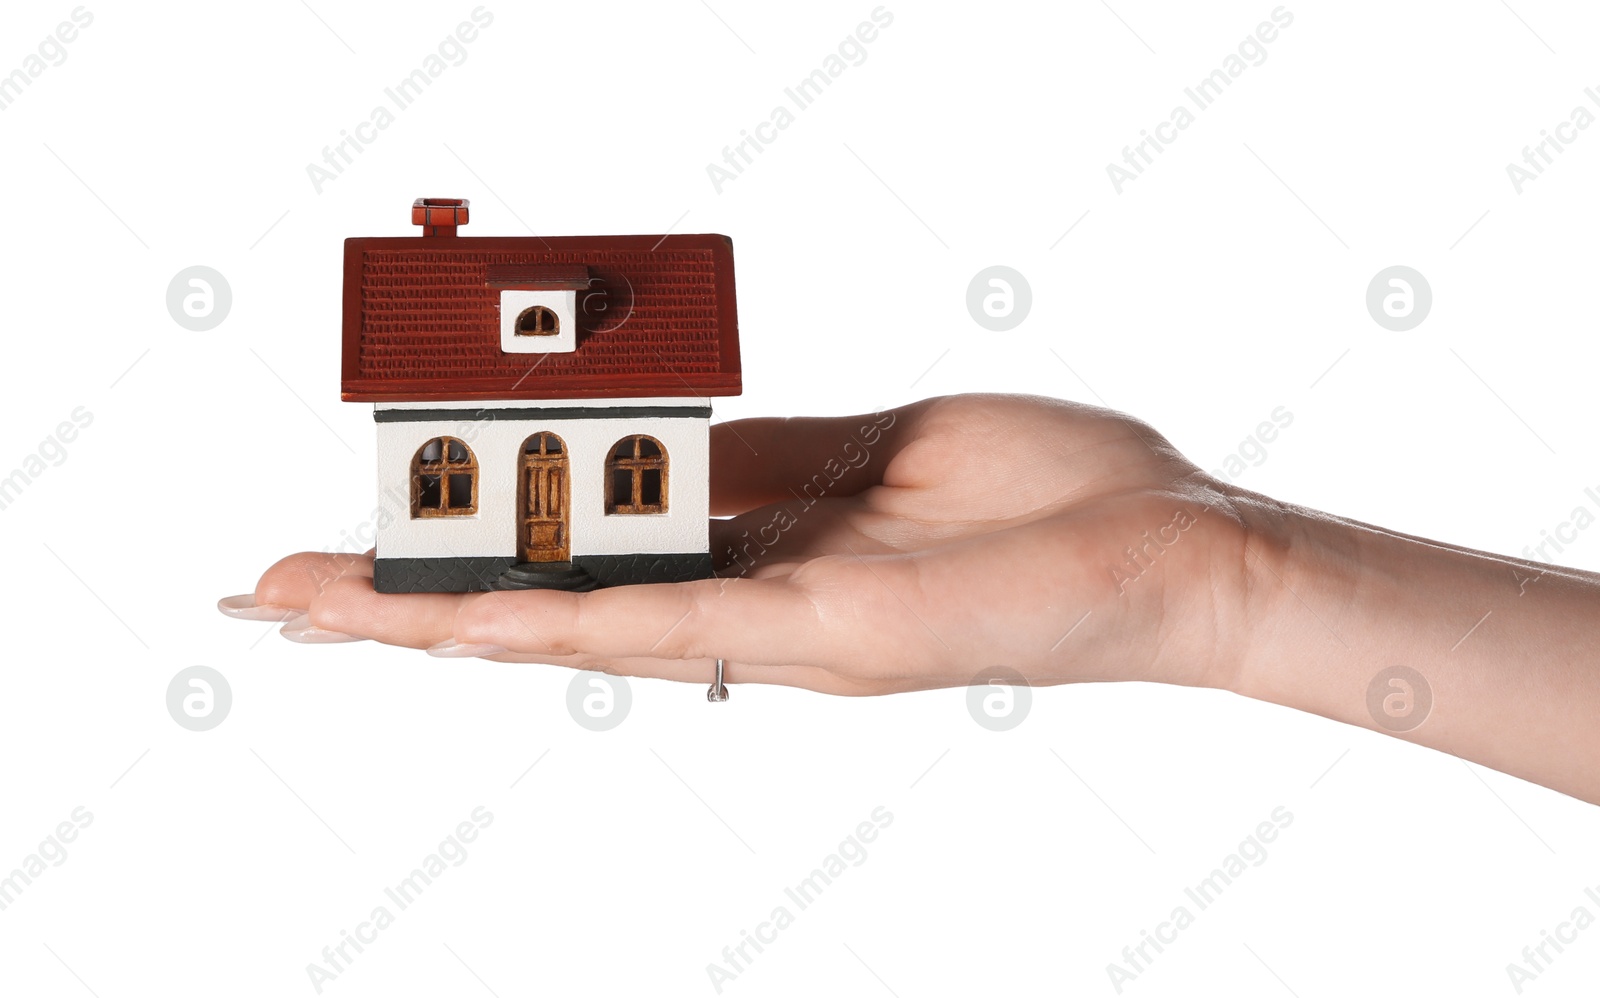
[{"x": 497, "y": 444}]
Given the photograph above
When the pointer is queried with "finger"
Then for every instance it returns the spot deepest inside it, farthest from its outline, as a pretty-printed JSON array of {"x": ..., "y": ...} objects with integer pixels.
[
  {"x": 751, "y": 621},
  {"x": 699, "y": 671},
  {"x": 296, "y": 580},
  {"x": 759, "y": 461},
  {"x": 423, "y": 620},
  {"x": 780, "y": 535},
  {"x": 411, "y": 620}
]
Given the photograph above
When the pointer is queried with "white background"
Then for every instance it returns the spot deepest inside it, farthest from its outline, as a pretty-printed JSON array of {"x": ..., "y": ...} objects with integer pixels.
[{"x": 1226, "y": 281}]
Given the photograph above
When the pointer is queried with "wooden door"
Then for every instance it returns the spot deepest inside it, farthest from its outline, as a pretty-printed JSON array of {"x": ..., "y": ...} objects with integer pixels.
[{"x": 542, "y": 491}]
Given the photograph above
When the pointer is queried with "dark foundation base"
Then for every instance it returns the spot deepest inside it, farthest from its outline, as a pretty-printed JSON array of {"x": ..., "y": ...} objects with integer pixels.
[{"x": 475, "y": 575}]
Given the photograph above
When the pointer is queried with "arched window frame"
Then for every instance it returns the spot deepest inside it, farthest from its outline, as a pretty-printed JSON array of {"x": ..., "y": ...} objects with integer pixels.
[
  {"x": 442, "y": 497},
  {"x": 545, "y": 321},
  {"x": 630, "y": 472}
]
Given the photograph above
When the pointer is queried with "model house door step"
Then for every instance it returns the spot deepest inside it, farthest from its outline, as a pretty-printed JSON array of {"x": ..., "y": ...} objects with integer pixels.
[{"x": 563, "y": 575}]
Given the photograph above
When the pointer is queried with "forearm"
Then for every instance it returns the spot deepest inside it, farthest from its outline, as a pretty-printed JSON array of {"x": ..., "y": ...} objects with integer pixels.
[{"x": 1506, "y": 648}]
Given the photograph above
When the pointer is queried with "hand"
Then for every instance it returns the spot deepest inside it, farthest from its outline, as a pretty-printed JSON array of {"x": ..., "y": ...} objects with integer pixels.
[
  {"x": 915, "y": 548},
  {"x": 904, "y": 550}
]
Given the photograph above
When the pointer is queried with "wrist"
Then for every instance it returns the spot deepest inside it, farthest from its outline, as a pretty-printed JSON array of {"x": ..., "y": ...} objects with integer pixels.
[
  {"x": 1303, "y": 576},
  {"x": 1483, "y": 656},
  {"x": 1233, "y": 600}
]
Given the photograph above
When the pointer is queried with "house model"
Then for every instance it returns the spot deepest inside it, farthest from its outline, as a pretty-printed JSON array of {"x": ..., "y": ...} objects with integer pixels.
[{"x": 542, "y": 403}]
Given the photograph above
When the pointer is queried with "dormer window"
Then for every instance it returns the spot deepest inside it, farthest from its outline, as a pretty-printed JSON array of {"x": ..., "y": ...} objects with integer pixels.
[
  {"x": 538, "y": 305},
  {"x": 538, "y": 321}
]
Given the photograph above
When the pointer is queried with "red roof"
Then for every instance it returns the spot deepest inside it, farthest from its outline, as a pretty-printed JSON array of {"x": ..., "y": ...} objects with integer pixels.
[{"x": 422, "y": 318}]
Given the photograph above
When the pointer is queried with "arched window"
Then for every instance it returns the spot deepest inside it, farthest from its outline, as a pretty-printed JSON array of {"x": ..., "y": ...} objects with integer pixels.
[
  {"x": 636, "y": 476},
  {"x": 538, "y": 321},
  {"x": 444, "y": 479}
]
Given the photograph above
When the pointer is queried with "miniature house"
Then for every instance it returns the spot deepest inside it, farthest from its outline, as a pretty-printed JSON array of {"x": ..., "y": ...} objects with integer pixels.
[{"x": 542, "y": 403}]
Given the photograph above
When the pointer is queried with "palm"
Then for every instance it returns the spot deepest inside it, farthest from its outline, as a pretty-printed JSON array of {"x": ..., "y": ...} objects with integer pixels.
[{"x": 1020, "y": 510}]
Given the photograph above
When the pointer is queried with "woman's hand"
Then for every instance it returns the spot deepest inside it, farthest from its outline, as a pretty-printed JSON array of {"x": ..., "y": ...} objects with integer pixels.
[
  {"x": 920, "y": 547},
  {"x": 903, "y": 550}
]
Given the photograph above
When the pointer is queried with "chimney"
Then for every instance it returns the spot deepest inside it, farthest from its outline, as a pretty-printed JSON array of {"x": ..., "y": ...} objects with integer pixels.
[{"x": 439, "y": 216}]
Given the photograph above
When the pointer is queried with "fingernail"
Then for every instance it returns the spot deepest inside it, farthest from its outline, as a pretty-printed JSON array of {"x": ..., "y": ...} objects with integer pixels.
[
  {"x": 303, "y": 631},
  {"x": 246, "y": 608},
  {"x": 450, "y": 648}
]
